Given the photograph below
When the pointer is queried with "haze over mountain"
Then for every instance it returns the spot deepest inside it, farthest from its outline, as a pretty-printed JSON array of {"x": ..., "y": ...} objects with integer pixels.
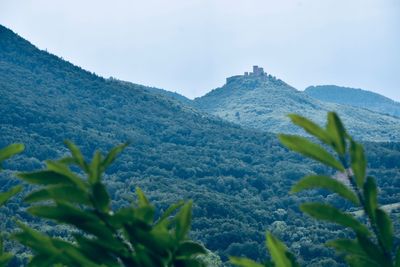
[
  {"x": 261, "y": 101},
  {"x": 354, "y": 97},
  {"x": 238, "y": 178}
]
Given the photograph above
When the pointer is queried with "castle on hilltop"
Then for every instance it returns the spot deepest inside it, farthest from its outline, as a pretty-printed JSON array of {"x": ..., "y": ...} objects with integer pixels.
[{"x": 257, "y": 72}]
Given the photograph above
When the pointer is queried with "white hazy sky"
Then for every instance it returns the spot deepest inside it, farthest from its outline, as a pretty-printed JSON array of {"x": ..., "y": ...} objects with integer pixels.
[{"x": 191, "y": 46}]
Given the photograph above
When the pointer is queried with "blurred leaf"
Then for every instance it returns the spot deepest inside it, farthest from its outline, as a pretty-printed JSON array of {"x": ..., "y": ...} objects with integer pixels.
[
  {"x": 63, "y": 193},
  {"x": 347, "y": 246},
  {"x": 311, "y": 127},
  {"x": 244, "y": 262},
  {"x": 101, "y": 197},
  {"x": 337, "y": 132},
  {"x": 142, "y": 199},
  {"x": 188, "y": 263},
  {"x": 371, "y": 197},
  {"x": 358, "y": 162},
  {"x": 4, "y": 197},
  {"x": 35, "y": 240},
  {"x": 98, "y": 251},
  {"x": 112, "y": 155},
  {"x": 76, "y": 155},
  {"x": 385, "y": 228},
  {"x": 278, "y": 251},
  {"x": 190, "y": 248},
  {"x": 5, "y": 258},
  {"x": 309, "y": 149},
  {"x": 63, "y": 169},
  {"x": 373, "y": 251},
  {"x": 356, "y": 261},
  {"x": 328, "y": 213},
  {"x": 183, "y": 221},
  {"x": 10, "y": 151},
  {"x": 170, "y": 210},
  {"x": 68, "y": 214},
  {"x": 45, "y": 178},
  {"x": 95, "y": 168},
  {"x": 325, "y": 182},
  {"x": 397, "y": 259}
]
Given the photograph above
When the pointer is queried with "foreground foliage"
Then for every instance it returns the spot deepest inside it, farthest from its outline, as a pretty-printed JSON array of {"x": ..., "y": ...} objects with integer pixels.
[
  {"x": 6, "y": 153},
  {"x": 373, "y": 242},
  {"x": 100, "y": 236}
]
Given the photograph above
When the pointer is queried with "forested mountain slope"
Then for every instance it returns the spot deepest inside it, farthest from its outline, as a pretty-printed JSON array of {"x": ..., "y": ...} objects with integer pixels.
[
  {"x": 354, "y": 97},
  {"x": 239, "y": 179},
  {"x": 262, "y": 102}
]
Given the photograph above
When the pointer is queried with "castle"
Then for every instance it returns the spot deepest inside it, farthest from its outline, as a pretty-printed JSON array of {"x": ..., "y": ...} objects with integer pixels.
[{"x": 257, "y": 72}]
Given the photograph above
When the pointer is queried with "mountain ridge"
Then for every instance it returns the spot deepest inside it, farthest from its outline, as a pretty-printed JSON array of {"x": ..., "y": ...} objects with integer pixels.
[
  {"x": 355, "y": 97},
  {"x": 262, "y": 102}
]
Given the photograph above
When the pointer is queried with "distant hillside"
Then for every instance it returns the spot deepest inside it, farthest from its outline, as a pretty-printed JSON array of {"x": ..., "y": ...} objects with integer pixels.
[
  {"x": 354, "y": 97},
  {"x": 157, "y": 91},
  {"x": 262, "y": 102}
]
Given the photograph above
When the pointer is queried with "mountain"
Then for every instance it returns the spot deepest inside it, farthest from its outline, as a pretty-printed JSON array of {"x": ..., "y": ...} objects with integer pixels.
[
  {"x": 238, "y": 178},
  {"x": 261, "y": 101},
  {"x": 354, "y": 97}
]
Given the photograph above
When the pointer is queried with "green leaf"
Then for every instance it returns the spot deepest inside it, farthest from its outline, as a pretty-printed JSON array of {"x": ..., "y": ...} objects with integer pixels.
[
  {"x": 183, "y": 222},
  {"x": 397, "y": 259},
  {"x": 358, "y": 162},
  {"x": 59, "y": 193},
  {"x": 328, "y": 213},
  {"x": 190, "y": 248},
  {"x": 325, "y": 182},
  {"x": 347, "y": 246},
  {"x": 68, "y": 214},
  {"x": 373, "y": 252},
  {"x": 244, "y": 262},
  {"x": 371, "y": 197},
  {"x": 101, "y": 197},
  {"x": 10, "y": 151},
  {"x": 356, "y": 261},
  {"x": 385, "y": 228},
  {"x": 169, "y": 211},
  {"x": 278, "y": 251},
  {"x": 337, "y": 132},
  {"x": 4, "y": 197},
  {"x": 76, "y": 154},
  {"x": 35, "y": 240},
  {"x": 5, "y": 258},
  {"x": 309, "y": 149},
  {"x": 112, "y": 155},
  {"x": 311, "y": 127},
  {"x": 142, "y": 199},
  {"x": 95, "y": 168},
  {"x": 188, "y": 263},
  {"x": 45, "y": 178},
  {"x": 63, "y": 169}
]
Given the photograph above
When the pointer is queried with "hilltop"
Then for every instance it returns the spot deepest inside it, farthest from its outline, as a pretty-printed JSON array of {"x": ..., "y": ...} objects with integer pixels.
[{"x": 261, "y": 101}]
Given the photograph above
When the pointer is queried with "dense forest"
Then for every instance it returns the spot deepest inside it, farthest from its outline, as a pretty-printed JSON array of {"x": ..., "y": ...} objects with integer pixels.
[{"x": 238, "y": 178}]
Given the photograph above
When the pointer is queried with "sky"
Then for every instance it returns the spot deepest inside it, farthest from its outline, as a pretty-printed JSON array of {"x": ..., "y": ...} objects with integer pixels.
[{"x": 191, "y": 46}]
